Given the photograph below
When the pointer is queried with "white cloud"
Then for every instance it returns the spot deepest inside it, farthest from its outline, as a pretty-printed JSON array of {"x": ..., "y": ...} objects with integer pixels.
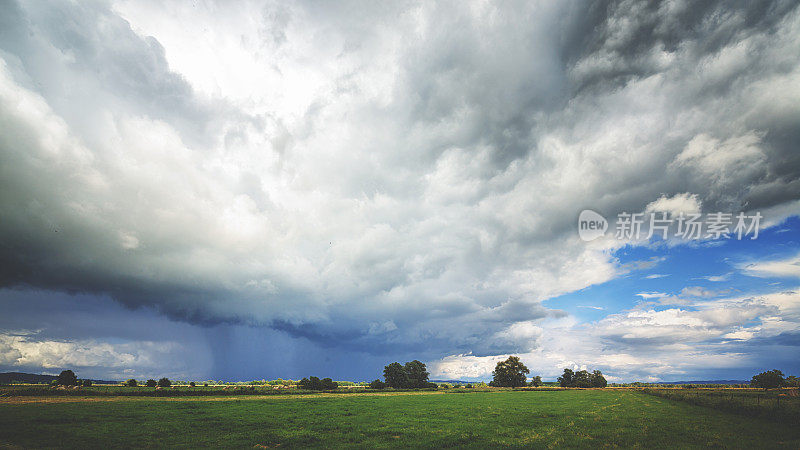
[
  {"x": 649, "y": 295},
  {"x": 679, "y": 203},
  {"x": 650, "y": 344},
  {"x": 789, "y": 267},
  {"x": 99, "y": 358},
  {"x": 718, "y": 278}
]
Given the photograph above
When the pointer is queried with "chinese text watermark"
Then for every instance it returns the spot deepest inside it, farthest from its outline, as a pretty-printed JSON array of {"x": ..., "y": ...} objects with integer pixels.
[{"x": 691, "y": 226}]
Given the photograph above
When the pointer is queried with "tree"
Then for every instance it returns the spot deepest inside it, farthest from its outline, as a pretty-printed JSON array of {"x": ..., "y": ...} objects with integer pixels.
[
  {"x": 416, "y": 374},
  {"x": 131, "y": 383},
  {"x": 164, "y": 382},
  {"x": 510, "y": 373},
  {"x": 581, "y": 379},
  {"x": 192, "y": 384},
  {"x": 151, "y": 383},
  {"x": 67, "y": 378},
  {"x": 315, "y": 384},
  {"x": 792, "y": 381},
  {"x": 597, "y": 379},
  {"x": 377, "y": 384},
  {"x": 566, "y": 379},
  {"x": 536, "y": 381},
  {"x": 87, "y": 383},
  {"x": 768, "y": 380},
  {"x": 326, "y": 384},
  {"x": 395, "y": 375}
]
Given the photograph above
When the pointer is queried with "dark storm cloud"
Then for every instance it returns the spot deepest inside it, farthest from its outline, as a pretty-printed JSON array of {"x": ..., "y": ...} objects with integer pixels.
[{"x": 384, "y": 178}]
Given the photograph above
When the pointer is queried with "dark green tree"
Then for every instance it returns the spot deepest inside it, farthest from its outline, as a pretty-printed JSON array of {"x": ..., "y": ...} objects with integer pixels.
[
  {"x": 510, "y": 373},
  {"x": 315, "y": 384},
  {"x": 536, "y": 381},
  {"x": 87, "y": 383},
  {"x": 377, "y": 384},
  {"x": 597, "y": 379},
  {"x": 581, "y": 379},
  {"x": 566, "y": 379},
  {"x": 416, "y": 374},
  {"x": 164, "y": 382},
  {"x": 67, "y": 378},
  {"x": 395, "y": 375},
  {"x": 131, "y": 383},
  {"x": 768, "y": 380},
  {"x": 151, "y": 383}
]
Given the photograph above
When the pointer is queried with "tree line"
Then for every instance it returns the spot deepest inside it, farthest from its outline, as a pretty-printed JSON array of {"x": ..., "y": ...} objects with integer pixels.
[{"x": 582, "y": 379}]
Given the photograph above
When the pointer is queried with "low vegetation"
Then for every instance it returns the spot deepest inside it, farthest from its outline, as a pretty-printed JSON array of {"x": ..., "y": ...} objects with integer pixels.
[{"x": 488, "y": 418}]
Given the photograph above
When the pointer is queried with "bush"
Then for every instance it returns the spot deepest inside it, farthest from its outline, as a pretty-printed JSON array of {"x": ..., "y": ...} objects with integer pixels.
[
  {"x": 164, "y": 382},
  {"x": 151, "y": 383},
  {"x": 191, "y": 384},
  {"x": 377, "y": 384},
  {"x": 87, "y": 383},
  {"x": 131, "y": 383}
]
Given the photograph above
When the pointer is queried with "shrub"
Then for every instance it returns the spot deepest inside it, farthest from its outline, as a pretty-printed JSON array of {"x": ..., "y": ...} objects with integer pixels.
[
  {"x": 164, "y": 382},
  {"x": 191, "y": 383},
  {"x": 151, "y": 383},
  {"x": 87, "y": 383},
  {"x": 131, "y": 383},
  {"x": 377, "y": 384}
]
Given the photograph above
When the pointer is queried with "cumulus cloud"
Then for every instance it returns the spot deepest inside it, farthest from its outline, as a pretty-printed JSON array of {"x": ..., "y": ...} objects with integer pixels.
[
  {"x": 377, "y": 176},
  {"x": 658, "y": 344},
  {"x": 142, "y": 359}
]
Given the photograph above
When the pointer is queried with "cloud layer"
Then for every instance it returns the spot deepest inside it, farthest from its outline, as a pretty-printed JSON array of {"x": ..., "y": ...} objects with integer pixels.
[{"x": 380, "y": 178}]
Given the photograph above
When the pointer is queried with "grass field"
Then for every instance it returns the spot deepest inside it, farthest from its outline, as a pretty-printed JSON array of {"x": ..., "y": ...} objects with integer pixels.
[{"x": 572, "y": 418}]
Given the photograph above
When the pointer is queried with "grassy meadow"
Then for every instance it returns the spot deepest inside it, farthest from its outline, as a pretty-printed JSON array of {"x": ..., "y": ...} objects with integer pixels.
[{"x": 540, "y": 418}]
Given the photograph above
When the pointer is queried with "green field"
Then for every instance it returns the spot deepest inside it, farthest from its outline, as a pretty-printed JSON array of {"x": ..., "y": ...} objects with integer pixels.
[{"x": 557, "y": 418}]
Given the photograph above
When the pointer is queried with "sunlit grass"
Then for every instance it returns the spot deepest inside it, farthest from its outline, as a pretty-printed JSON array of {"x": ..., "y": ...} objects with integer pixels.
[{"x": 482, "y": 419}]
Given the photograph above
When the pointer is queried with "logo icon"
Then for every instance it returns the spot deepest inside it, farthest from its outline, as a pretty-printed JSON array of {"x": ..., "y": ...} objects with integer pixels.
[{"x": 591, "y": 225}]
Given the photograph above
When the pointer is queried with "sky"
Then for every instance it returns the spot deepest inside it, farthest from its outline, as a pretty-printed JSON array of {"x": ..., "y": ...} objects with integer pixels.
[{"x": 203, "y": 190}]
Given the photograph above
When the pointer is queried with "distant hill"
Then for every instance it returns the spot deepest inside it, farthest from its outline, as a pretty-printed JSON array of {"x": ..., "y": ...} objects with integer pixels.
[{"x": 19, "y": 377}]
